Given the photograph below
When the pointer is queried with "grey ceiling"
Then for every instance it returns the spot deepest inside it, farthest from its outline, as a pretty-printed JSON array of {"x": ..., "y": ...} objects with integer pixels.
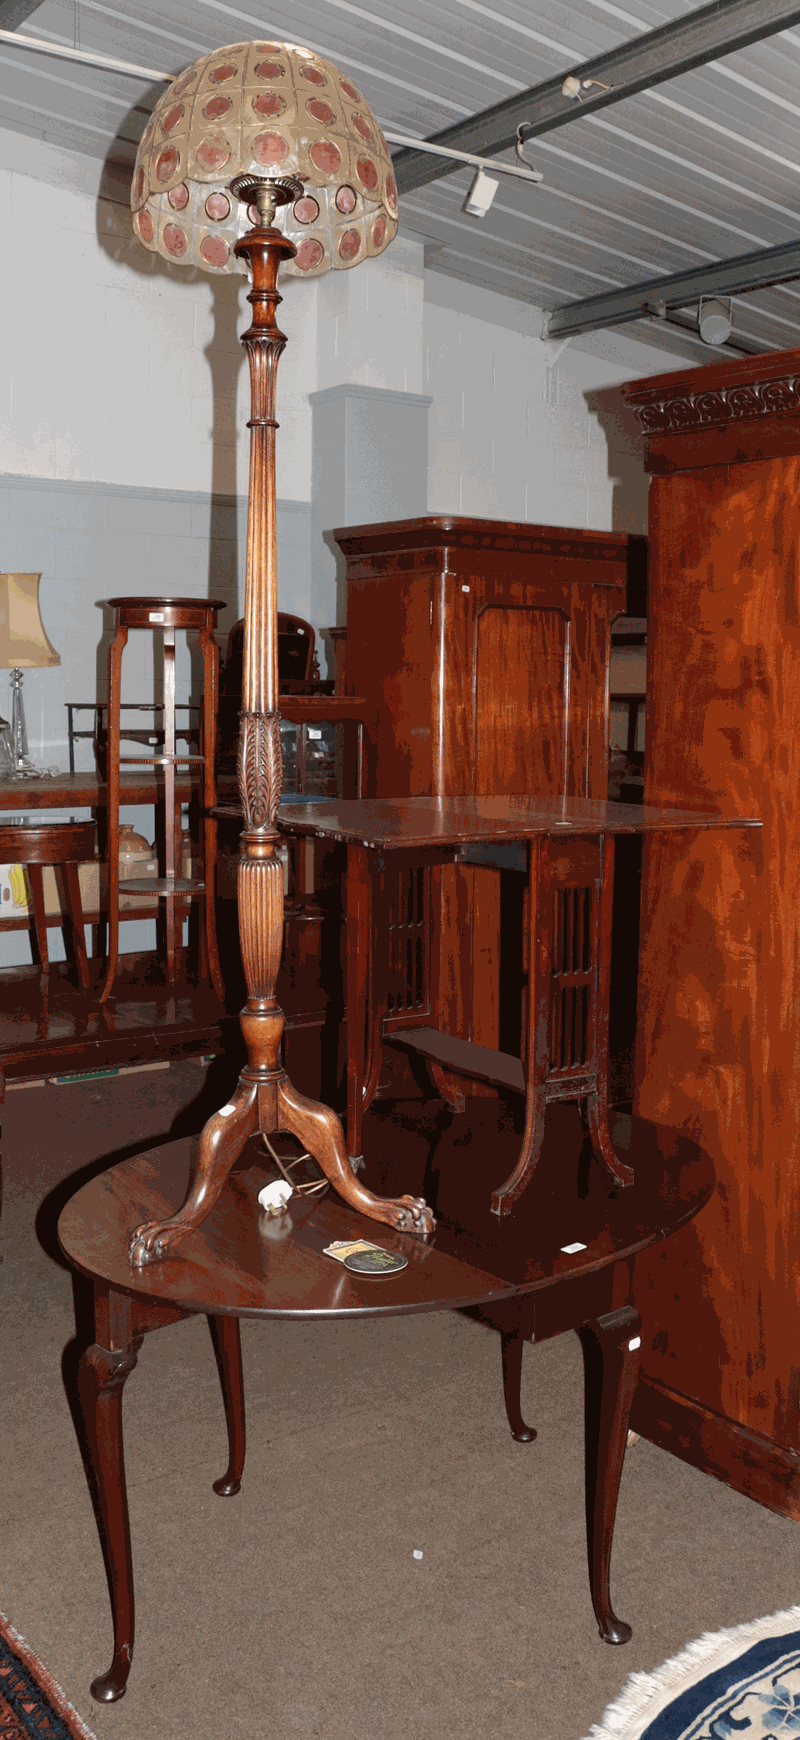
[{"x": 704, "y": 167}]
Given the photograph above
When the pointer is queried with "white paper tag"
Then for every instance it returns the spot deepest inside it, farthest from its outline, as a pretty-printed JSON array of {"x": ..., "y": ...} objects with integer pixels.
[
  {"x": 155, "y": 616},
  {"x": 569, "y": 1250}
]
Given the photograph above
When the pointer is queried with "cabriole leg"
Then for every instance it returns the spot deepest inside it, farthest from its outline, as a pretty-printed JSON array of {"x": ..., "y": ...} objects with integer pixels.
[
  {"x": 101, "y": 1379},
  {"x": 227, "y": 1341},
  {"x": 611, "y": 1356}
]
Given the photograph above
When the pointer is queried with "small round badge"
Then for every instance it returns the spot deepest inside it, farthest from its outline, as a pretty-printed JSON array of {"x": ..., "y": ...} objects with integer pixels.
[{"x": 376, "y": 1262}]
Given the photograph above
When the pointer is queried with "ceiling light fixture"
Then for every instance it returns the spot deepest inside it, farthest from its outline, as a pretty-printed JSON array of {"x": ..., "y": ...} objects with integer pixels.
[
  {"x": 481, "y": 194},
  {"x": 714, "y": 320}
]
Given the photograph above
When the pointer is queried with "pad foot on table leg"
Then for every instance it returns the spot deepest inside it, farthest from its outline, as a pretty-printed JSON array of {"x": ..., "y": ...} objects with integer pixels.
[{"x": 513, "y": 1343}]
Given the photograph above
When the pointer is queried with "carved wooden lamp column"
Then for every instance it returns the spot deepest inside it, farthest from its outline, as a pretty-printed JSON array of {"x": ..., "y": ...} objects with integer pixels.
[{"x": 247, "y": 133}]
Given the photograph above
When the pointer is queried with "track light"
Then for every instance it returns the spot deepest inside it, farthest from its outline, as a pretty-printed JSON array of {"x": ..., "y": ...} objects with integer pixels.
[
  {"x": 714, "y": 321},
  {"x": 481, "y": 194}
]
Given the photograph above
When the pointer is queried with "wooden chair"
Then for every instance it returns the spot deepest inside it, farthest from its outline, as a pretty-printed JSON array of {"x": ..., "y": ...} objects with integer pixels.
[{"x": 63, "y": 845}]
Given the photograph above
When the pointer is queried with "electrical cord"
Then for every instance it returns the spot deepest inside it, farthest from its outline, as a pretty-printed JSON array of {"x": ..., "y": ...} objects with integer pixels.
[{"x": 310, "y": 1189}]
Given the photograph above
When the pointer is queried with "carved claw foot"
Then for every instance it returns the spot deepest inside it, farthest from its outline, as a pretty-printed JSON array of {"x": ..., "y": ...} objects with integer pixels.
[
  {"x": 218, "y": 1148},
  {"x": 407, "y": 1214},
  {"x": 154, "y": 1240}
]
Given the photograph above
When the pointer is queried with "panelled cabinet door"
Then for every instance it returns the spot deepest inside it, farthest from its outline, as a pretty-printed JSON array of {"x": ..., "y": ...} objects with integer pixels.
[
  {"x": 720, "y": 968},
  {"x": 483, "y": 648}
]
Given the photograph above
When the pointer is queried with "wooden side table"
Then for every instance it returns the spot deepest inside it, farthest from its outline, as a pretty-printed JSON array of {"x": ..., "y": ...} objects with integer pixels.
[
  {"x": 563, "y": 1263},
  {"x": 570, "y": 846},
  {"x": 165, "y": 615},
  {"x": 63, "y": 845}
]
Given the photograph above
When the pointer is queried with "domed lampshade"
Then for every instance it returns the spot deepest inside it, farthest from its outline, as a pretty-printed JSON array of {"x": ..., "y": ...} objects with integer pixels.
[{"x": 269, "y": 110}]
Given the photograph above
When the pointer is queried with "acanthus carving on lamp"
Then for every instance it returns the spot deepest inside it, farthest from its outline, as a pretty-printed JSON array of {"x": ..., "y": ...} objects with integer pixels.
[{"x": 190, "y": 141}]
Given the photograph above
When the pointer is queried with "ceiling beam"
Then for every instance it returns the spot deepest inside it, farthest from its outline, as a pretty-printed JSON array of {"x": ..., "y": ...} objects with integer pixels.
[
  {"x": 13, "y": 13},
  {"x": 732, "y": 277},
  {"x": 650, "y": 59}
]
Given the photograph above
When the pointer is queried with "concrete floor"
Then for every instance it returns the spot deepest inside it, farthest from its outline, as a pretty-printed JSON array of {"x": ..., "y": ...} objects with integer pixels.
[{"x": 297, "y": 1608}]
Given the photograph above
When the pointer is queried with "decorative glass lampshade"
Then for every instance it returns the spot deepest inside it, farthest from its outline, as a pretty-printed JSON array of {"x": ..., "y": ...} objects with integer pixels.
[{"x": 271, "y": 110}]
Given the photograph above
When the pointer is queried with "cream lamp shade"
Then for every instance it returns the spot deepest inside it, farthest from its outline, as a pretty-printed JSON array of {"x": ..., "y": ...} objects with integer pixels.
[
  {"x": 264, "y": 109},
  {"x": 23, "y": 642}
]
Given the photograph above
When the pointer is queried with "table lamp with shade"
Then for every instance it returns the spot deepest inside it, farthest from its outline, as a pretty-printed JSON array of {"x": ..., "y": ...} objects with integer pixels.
[
  {"x": 262, "y": 155},
  {"x": 23, "y": 646}
]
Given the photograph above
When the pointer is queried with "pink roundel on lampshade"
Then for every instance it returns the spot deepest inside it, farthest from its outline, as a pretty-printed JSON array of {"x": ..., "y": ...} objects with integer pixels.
[
  {"x": 325, "y": 155},
  {"x": 213, "y": 153},
  {"x": 321, "y": 111},
  {"x": 309, "y": 254},
  {"x": 215, "y": 251},
  {"x": 170, "y": 121},
  {"x": 265, "y": 110},
  {"x": 167, "y": 163},
  {"x": 349, "y": 245},
  {"x": 175, "y": 240},
  {"x": 269, "y": 103},
  {"x": 270, "y": 149},
  {"x": 367, "y": 173},
  {"x": 218, "y": 207},
  {"x": 216, "y": 107}
]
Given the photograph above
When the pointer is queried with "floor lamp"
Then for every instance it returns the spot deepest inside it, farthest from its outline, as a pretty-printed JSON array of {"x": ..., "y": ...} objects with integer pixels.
[{"x": 248, "y": 132}]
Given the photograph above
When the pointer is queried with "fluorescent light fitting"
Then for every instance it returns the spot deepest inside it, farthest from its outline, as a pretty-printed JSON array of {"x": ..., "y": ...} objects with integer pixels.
[{"x": 481, "y": 194}]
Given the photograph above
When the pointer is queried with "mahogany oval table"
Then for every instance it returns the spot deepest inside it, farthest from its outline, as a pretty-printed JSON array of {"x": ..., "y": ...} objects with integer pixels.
[{"x": 563, "y": 1261}]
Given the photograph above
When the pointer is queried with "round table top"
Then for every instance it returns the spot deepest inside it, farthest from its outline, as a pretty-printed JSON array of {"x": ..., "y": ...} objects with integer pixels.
[{"x": 573, "y": 1219}]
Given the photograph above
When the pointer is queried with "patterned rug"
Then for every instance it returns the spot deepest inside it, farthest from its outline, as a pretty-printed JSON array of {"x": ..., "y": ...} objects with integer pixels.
[
  {"x": 32, "y": 1706},
  {"x": 729, "y": 1685}
]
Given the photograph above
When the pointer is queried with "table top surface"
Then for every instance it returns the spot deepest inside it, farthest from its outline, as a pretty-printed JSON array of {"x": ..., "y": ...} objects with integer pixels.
[
  {"x": 450, "y": 821},
  {"x": 87, "y": 790},
  {"x": 240, "y": 1262}
]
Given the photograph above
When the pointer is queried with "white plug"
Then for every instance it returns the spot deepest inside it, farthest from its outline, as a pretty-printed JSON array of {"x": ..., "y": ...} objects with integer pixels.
[{"x": 274, "y": 1197}]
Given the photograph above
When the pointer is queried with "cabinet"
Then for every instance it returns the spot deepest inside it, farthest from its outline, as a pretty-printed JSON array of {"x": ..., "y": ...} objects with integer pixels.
[
  {"x": 482, "y": 650},
  {"x": 719, "y": 994}
]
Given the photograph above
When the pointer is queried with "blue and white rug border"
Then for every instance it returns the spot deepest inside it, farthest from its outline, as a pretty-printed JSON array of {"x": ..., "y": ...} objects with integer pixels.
[{"x": 645, "y": 1695}]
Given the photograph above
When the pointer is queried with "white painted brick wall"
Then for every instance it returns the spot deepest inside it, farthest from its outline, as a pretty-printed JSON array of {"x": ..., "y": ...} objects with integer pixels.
[
  {"x": 520, "y": 432},
  {"x": 125, "y": 375}
]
